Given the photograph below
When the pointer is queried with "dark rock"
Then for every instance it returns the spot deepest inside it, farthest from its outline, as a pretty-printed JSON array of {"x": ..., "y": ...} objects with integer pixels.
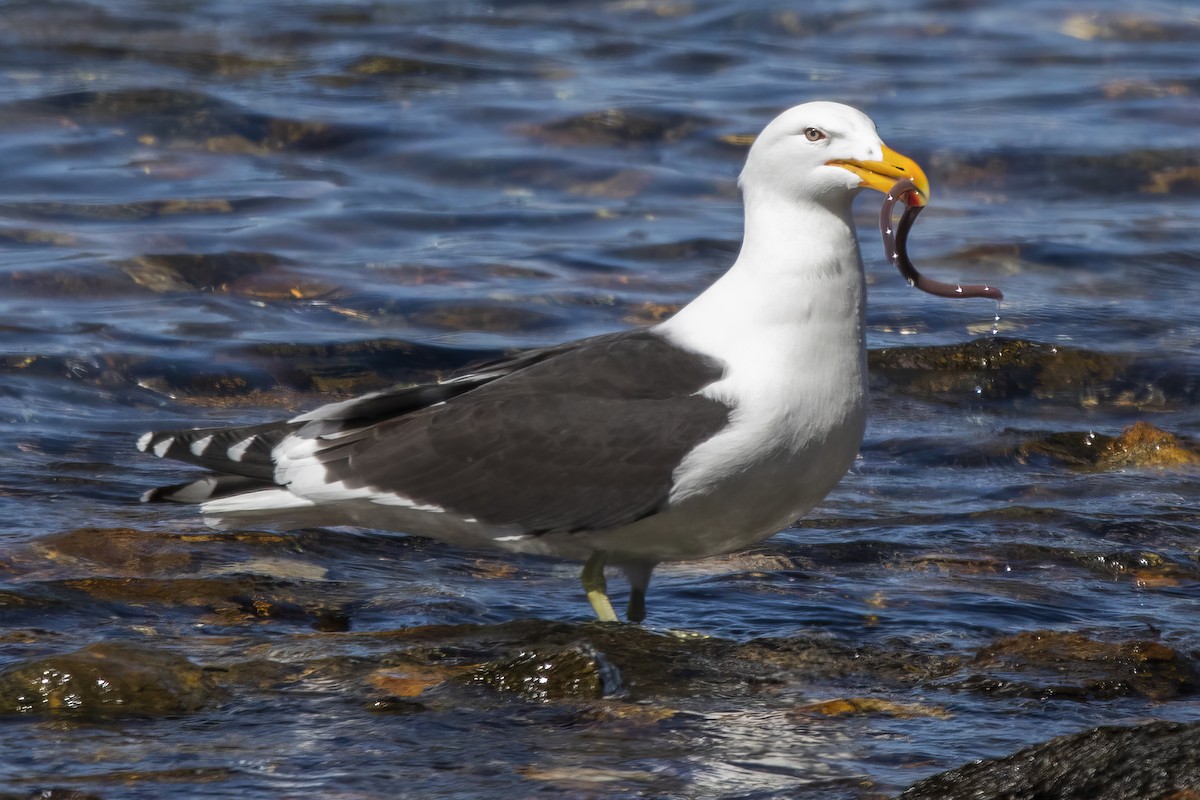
[
  {"x": 234, "y": 599},
  {"x": 105, "y": 679},
  {"x": 188, "y": 272},
  {"x": 54, "y": 793},
  {"x": 827, "y": 659},
  {"x": 617, "y": 126},
  {"x": 1070, "y": 665},
  {"x": 550, "y": 661},
  {"x": 996, "y": 368},
  {"x": 119, "y": 550},
  {"x": 178, "y": 118},
  {"x": 549, "y": 675},
  {"x": 1155, "y": 761},
  {"x": 359, "y": 366},
  {"x": 331, "y": 621}
]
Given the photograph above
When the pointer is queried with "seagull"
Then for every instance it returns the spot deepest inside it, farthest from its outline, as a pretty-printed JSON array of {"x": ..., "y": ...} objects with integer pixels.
[{"x": 698, "y": 436}]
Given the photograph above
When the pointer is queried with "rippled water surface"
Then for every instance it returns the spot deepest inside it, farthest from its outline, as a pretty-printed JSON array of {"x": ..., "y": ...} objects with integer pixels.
[{"x": 222, "y": 211}]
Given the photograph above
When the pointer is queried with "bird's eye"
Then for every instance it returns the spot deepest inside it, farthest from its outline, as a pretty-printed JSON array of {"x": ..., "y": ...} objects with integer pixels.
[{"x": 814, "y": 134}]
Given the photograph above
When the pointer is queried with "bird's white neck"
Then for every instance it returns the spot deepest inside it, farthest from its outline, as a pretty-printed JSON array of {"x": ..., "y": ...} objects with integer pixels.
[{"x": 796, "y": 289}]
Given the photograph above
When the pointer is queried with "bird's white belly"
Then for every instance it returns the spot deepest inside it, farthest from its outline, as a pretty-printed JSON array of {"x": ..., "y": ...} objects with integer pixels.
[{"x": 742, "y": 499}]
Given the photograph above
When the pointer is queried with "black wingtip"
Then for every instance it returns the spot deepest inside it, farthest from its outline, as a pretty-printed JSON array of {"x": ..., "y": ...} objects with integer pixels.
[{"x": 210, "y": 487}]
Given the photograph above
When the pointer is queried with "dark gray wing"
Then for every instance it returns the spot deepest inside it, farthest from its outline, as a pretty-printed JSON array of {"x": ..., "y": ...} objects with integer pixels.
[
  {"x": 581, "y": 436},
  {"x": 247, "y": 450},
  {"x": 584, "y": 438}
]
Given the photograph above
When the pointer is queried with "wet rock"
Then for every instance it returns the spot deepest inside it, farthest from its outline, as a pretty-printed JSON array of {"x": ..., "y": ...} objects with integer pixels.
[
  {"x": 995, "y": 368},
  {"x": 550, "y": 675},
  {"x": 1070, "y": 665},
  {"x": 414, "y": 678},
  {"x": 579, "y": 781},
  {"x": 234, "y": 599},
  {"x": 178, "y": 118},
  {"x": 37, "y": 236},
  {"x": 1155, "y": 761},
  {"x": 816, "y": 658},
  {"x": 1147, "y": 569},
  {"x": 187, "y": 272},
  {"x": 85, "y": 283},
  {"x": 394, "y": 66},
  {"x": 621, "y": 186},
  {"x": 615, "y": 126},
  {"x": 105, "y": 679},
  {"x": 490, "y": 317},
  {"x": 713, "y": 250},
  {"x": 1140, "y": 445},
  {"x": 73, "y": 212},
  {"x": 586, "y": 660},
  {"x": 1173, "y": 180},
  {"x": 860, "y": 706},
  {"x": 553, "y": 661},
  {"x": 998, "y": 368},
  {"x": 1130, "y": 27},
  {"x": 17, "y": 601},
  {"x": 119, "y": 550},
  {"x": 649, "y": 313},
  {"x": 366, "y": 365},
  {"x": 53, "y": 793}
]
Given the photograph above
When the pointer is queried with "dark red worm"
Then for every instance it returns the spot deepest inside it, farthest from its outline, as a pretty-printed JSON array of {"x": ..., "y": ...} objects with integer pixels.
[{"x": 896, "y": 247}]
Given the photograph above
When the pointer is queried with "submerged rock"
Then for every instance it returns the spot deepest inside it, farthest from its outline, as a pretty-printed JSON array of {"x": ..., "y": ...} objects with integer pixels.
[
  {"x": 189, "y": 272},
  {"x": 1073, "y": 666},
  {"x": 186, "y": 119},
  {"x": 1140, "y": 445},
  {"x": 1155, "y": 761},
  {"x": 862, "y": 706},
  {"x": 995, "y": 368},
  {"x": 999, "y": 368},
  {"x": 105, "y": 679},
  {"x": 617, "y": 126}
]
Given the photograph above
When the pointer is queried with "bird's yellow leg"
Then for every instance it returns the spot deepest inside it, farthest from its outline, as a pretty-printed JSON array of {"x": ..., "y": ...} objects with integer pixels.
[{"x": 594, "y": 584}]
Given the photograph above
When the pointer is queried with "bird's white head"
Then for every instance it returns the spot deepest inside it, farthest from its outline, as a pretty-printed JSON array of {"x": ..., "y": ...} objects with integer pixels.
[{"x": 824, "y": 152}]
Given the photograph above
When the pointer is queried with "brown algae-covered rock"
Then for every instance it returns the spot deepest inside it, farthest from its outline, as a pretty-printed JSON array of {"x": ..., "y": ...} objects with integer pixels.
[
  {"x": 1141, "y": 445},
  {"x": 105, "y": 679},
  {"x": 997, "y": 368},
  {"x": 1071, "y": 665}
]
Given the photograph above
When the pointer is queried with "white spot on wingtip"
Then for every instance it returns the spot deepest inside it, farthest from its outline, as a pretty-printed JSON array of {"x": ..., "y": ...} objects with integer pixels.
[
  {"x": 162, "y": 447},
  {"x": 144, "y": 440},
  {"x": 200, "y": 445},
  {"x": 237, "y": 451}
]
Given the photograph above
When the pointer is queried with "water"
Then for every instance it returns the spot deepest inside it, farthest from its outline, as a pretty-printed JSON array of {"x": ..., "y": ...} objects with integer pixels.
[{"x": 217, "y": 211}]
